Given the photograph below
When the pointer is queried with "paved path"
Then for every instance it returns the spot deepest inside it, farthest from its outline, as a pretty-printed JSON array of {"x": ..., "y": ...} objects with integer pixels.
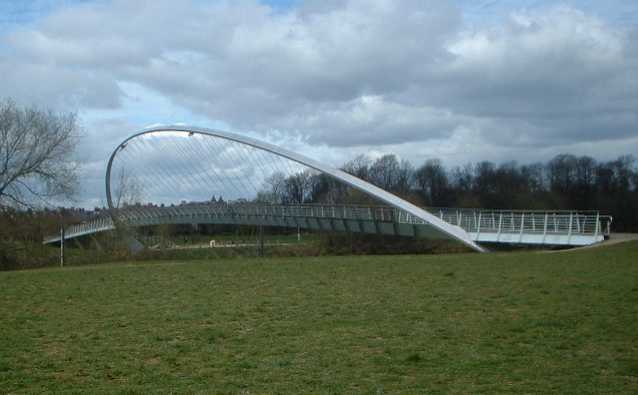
[
  {"x": 621, "y": 238},
  {"x": 615, "y": 238}
]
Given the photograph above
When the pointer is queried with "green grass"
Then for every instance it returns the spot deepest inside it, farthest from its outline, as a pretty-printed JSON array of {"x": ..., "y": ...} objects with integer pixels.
[{"x": 508, "y": 322}]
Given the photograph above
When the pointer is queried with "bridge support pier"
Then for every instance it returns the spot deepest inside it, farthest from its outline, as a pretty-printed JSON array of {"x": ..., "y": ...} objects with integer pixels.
[
  {"x": 96, "y": 242},
  {"x": 78, "y": 243},
  {"x": 134, "y": 245},
  {"x": 126, "y": 235}
]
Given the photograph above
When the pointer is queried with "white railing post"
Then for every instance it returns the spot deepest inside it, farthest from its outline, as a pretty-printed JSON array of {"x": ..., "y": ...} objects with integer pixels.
[
  {"x": 500, "y": 226},
  {"x": 478, "y": 230},
  {"x": 609, "y": 226},
  {"x": 578, "y": 230},
  {"x": 569, "y": 233},
  {"x": 597, "y": 230},
  {"x": 520, "y": 235},
  {"x": 545, "y": 227}
]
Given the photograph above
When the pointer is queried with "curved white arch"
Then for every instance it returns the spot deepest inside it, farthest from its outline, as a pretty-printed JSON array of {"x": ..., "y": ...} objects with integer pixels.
[{"x": 443, "y": 227}]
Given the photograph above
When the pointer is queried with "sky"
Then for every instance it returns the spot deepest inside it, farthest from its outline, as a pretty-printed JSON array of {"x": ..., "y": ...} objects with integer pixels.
[{"x": 458, "y": 80}]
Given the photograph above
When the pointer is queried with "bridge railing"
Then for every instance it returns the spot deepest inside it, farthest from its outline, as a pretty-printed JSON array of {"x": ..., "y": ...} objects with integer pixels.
[
  {"x": 376, "y": 213},
  {"x": 472, "y": 220},
  {"x": 97, "y": 224},
  {"x": 527, "y": 222}
]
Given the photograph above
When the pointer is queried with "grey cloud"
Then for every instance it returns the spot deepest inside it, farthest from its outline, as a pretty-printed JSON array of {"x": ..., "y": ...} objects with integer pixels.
[
  {"x": 370, "y": 120},
  {"x": 542, "y": 78},
  {"x": 563, "y": 74},
  {"x": 47, "y": 84}
]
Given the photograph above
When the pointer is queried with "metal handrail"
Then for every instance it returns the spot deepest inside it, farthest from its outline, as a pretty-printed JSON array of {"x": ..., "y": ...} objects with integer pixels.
[{"x": 565, "y": 222}]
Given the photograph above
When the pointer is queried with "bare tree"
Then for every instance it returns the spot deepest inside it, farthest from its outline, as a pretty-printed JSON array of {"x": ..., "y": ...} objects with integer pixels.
[
  {"x": 129, "y": 190},
  {"x": 36, "y": 161},
  {"x": 404, "y": 178},
  {"x": 359, "y": 167},
  {"x": 384, "y": 172},
  {"x": 432, "y": 182},
  {"x": 298, "y": 187},
  {"x": 274, "y": 189}
]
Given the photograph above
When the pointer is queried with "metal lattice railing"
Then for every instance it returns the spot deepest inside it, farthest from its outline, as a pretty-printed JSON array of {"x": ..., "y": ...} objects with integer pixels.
[
  {"x": 527, "y": 222},
  {"x": 474, "y": 221}
]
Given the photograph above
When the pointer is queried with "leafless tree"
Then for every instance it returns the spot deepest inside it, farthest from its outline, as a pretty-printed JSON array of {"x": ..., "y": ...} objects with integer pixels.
[
  {"x": 432, "y": 182},
  {"x": 36, "y": 155},
  {"x": 273, "y": 189},
  {"x": 129, "y": 190},
  {"x": 359, "y": 167},
  {"x": 298, "y": 187},
  {"x": 128, "y": 193},
  {"x": 384, "y": 172}
]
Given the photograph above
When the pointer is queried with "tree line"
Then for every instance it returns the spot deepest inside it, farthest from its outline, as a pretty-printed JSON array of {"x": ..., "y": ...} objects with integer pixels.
[
  {"x": 38, "y": 166},
  {"x": 564, "y": 182}
]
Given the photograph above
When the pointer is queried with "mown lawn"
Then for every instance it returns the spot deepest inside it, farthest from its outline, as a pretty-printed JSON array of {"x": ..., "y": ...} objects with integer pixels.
[{"x": 508, "y": 322}]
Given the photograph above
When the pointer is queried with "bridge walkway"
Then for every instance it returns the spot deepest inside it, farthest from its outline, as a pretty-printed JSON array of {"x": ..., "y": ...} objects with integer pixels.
[{"x": 568, "y": 228}]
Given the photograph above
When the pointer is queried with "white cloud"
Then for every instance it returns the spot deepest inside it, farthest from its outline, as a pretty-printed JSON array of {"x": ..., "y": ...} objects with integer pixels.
[{"x": 334, "y": 78}]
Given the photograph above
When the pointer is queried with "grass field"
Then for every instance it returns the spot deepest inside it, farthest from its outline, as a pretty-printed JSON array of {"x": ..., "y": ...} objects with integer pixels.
[{"x": 505, "y": 322}]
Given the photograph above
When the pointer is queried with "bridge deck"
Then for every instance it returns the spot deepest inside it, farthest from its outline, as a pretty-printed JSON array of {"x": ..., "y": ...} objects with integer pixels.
[
  {"x": 494, "y": 226},
  {"x": 570, "y": 228}
]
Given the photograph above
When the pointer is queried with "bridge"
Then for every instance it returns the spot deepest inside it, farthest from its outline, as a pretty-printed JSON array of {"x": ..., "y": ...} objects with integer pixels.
[
  {"x": 177, "y": 162},
  {"x": 556, "y": 228}
]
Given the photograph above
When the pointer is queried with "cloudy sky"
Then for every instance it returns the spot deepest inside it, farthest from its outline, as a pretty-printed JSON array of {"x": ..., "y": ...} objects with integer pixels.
[{"x": 461, "y": 80}]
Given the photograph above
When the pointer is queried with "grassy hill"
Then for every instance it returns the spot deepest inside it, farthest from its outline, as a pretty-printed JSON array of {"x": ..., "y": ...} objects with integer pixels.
[{"x": 503, "y": 322}]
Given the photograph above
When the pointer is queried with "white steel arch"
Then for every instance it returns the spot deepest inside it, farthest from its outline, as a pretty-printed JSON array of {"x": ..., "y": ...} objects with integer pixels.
[{"x": 440, "y": 226}]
